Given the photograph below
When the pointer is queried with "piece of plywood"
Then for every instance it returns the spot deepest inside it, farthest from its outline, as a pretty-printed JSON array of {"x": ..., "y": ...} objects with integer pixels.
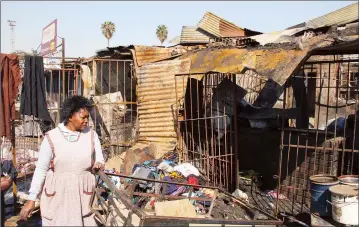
[
  {"x": 317, "y": 221},
  {"x": 177, "y": 208}
]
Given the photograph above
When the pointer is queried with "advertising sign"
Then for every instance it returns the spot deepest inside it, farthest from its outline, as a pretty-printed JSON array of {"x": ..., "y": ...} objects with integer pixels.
[{"x": 49, "y": 38}]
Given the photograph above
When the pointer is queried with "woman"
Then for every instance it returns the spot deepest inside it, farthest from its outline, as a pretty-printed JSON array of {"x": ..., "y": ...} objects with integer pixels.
[{"x": 63, "y": 175}]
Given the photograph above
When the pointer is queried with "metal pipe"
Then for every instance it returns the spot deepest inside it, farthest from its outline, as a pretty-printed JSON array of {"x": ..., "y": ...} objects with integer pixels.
[
  {"x": 236, "y": 136},
  {"x": 63, "y": 69}
]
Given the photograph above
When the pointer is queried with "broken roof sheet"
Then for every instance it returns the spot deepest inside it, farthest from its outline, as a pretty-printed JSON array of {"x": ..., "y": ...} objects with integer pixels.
[
  {"x": 351, "y": 47},
  {"x": 220, "y": 27},
  {"x": 111, "y": 51},
  {"x": 274, "y": 63},
  {"x": 341, "y": 16},
  {"x": 190, "y": 34},
  {"x": 276, "y": 37},
  {"x": 175, "y": 40}
]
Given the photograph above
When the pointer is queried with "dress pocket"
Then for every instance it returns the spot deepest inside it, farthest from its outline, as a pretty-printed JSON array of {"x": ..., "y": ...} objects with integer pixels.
[
  {"x": 48, "y": 201},
  {"x": 88, "y": 188}
]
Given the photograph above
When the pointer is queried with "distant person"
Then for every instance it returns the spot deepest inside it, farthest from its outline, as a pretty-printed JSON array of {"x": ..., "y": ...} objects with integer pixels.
[
  {"x": 68, "y": 155},
  {"x": 8, "y": 175}
]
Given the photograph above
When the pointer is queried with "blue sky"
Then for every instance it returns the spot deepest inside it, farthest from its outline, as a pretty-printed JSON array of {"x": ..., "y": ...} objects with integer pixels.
[{"x": 136, "y": 22}]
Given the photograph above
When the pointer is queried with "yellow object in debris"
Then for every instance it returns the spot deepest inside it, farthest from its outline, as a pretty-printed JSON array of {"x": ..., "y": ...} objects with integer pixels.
[{"x": 176, "y": 174}]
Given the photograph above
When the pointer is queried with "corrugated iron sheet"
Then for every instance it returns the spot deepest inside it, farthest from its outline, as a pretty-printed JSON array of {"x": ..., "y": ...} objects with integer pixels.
[
  {"x": 219, "y": 27},
  {"x": 157, "y": 102},
  {"x": 176, "y": 40},
  {"x": 277, "y": 64},
  {"x": 339, "y": 17},
  {"x": 146, "y": 54},
  {"x": 190, "y": 34}
]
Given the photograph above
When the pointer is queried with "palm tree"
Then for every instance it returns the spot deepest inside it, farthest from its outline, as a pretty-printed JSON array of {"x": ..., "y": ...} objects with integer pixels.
[
  {"x": 108, "y": 28},
  {"x": 162, "y": 33}
]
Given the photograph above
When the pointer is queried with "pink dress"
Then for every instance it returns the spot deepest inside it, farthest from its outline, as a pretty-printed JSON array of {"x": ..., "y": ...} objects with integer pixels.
[{"x": 65, "y": 198}]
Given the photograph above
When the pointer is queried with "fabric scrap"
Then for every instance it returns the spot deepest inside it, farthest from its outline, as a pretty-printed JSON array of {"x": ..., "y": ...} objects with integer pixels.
[
  {"x": 187, "y": 169},
  {"x": 170, "y": 187}
]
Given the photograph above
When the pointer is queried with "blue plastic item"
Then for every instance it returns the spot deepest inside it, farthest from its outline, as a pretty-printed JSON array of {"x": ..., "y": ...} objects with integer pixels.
[{"x": 320, "y": 194}]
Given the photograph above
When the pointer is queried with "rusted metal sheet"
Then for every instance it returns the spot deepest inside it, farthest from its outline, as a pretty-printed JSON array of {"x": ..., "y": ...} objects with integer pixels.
[
  {"x": 219, "y": 27},
  {"x": 145, "y": 54},
  {"x": 273, "y": 63},
  {"x": 156, "y": 99},
  {"x": 339, "y": 17},
  {"x": 190, "y": 34}
]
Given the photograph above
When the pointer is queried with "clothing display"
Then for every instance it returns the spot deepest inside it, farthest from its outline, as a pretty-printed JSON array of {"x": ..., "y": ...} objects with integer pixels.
[
  {"x": 33, "y": 94},
  {"x": 9, "y": 83}
]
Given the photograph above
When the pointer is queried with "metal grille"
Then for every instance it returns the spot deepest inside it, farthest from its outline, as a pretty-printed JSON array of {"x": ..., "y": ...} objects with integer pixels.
[
  {"x": 207, "y": 126},
  {"x": 111, "y": 87},
  {"x": 321, "y": 137},
  {"x": 109, "y": 84}
]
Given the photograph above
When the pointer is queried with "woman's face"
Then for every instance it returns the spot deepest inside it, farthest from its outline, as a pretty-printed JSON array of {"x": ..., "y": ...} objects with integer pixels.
[{"x": 80, "y": 119}]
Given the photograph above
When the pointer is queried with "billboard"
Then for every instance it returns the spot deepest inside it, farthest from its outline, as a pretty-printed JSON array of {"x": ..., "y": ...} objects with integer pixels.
[{"x": 49, "y": 38}]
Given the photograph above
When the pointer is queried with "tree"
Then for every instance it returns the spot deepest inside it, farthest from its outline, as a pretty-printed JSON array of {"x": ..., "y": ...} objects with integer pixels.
[
  {"x": 162, "y": 33},
  {"x": 108, "y": 28},
  {"x": 22, "y": 53}
]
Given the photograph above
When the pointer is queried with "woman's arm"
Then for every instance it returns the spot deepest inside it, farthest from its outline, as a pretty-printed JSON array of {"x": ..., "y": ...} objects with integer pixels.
[
  {"x": 98, "y": 150},
  {"x": 42, "y": 166}
]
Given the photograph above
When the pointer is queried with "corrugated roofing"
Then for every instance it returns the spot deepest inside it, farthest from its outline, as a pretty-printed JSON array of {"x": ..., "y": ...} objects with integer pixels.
[
  {"x": 190, "y": 34},
  {"x": 157, "y": 102},
  {"x": 277, "y": 64},
  {"x": 219, "y": 27},
  {"x": 175, "y": 40},
  {"x": 339, "y": 17},
  {"x": 145, "y": 54}
]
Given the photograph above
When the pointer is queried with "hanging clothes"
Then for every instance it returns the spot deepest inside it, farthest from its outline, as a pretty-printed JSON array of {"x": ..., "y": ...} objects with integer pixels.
[
  {"x": 9, "y": 81},
  {"x": 31, "y": 126},
  {"x": 33, "y": 94}
]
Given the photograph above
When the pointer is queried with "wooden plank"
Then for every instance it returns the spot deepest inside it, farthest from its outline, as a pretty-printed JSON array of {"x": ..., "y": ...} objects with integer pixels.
[{"x": 317, "y": 221}]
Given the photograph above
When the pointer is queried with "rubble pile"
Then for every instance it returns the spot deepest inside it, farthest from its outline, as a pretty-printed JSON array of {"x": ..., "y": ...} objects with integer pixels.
[{"x": 184, "y": 181}]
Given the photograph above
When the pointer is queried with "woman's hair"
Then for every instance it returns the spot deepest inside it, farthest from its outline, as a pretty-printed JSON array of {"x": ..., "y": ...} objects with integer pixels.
[{"x": 72, "y": 105}]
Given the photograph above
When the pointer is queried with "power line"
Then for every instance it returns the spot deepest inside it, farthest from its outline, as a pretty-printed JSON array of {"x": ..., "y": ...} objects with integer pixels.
[{"x": 12, "y": 25}]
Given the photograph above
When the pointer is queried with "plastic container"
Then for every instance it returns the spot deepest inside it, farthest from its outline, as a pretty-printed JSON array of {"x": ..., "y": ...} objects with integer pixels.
[
  {"x": 320, "y": 194},
  {"x": 351, "y": 180},
  {"x": 344, "y": 204}
]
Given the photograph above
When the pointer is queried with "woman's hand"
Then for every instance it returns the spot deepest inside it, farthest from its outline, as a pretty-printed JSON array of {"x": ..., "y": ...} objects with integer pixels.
[
  {"x": 98, "y": 166},
  {"x": 27, "y": 209},
  {"x": 5, "y": 183}
]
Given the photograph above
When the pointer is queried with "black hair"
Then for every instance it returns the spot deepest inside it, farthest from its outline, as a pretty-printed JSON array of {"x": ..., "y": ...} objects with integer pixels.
[{"x": 72, "y": 105}]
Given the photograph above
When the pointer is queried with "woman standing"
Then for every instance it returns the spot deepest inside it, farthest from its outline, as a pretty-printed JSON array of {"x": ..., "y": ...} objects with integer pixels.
[{"x": 63, "y": 174}]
